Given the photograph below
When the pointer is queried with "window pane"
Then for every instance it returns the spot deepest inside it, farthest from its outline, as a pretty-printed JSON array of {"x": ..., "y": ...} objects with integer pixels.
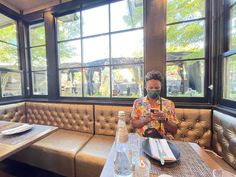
[
  {"x": 8, "y": 31},
  {"x": 184, "y": 10},
  {"x": 69, "y": 54},
  {"x": 8, "y": 56},
  {"x": 40, "y": 84},
  {"x": 38, "y": 58},
  {"x": 232, "y": 1},
  {"x": 97, "y": 81},
  {"x": 127, "y": 47},
  {"x": 37, "y": 34},
  {"x": 126, "y": 14},
  {"x": 185, "y": 78},
  {"x": 229, "y": 81},
  {"x": 95, "y": 20},
  {"x": 68, "y": 26},
  {"x": 186, "y": 40},
  {"x": 96, "y": 51},
  {"x": 11, "y": 84},
  {"x": 71, "y": 82},
  {"x": 127, "y": 81},
  {"x": 232, "y": 30}
]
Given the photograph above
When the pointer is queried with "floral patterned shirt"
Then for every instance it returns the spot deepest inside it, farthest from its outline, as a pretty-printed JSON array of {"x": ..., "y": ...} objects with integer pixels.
[{"x": 142, "y": 106}]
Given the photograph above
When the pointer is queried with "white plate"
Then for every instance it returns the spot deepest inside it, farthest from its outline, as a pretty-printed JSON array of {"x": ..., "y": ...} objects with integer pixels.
[{"x": 16, "y": 130}]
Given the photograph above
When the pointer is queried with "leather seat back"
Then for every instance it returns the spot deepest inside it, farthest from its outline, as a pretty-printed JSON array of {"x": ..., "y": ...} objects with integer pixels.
[
  {"x": 106, "y": 118},
  {"x": 78, "y": 117},
  {"x": 13, "y": 112},
  {"x": 224, "y": 136},
  {"x": 194, "y": 126}
]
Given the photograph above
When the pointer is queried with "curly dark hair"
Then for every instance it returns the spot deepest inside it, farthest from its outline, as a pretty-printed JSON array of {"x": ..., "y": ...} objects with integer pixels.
[{"x": 153, "y": 75}]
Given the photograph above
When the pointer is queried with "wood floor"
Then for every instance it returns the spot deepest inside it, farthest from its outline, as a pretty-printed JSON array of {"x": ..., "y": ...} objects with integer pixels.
[{"x": 10, "y": 168}]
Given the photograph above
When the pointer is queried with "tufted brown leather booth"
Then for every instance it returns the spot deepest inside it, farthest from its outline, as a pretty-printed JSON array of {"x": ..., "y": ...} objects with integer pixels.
[
  {"x": 106, "y": 118},
  {"x": 91, "y": 159},
  {"x": 13, "y": 112},
  {"x": 224, "y": 137},
  {"x": 57, "y": 151},
  {"x": 194, "y": 126},
  {"x": 105, "y": 124},
  {"x": 66, "y": 116},
  {"x": 73, "y": 150}
]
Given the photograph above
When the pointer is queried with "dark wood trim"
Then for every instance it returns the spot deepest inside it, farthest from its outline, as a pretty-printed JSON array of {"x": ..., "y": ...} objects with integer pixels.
[
  {"x": 190, "y": 59},
  {"x": 226, "y": 23},
  {"x": 228, "y": 103},
  {"x": 33, "y": 18},
  {"x": 186, "y": 21},
  {"x": 155, "y": 39},
  {"x": 200, "y": 100},
  {"x": 8, "y": 43},
  {"x": 9, "y": 12},
  {"x": 22, "y": 61},
  {"x": 51, "y": 52},
  {"x": 208, "y": 94},
  {"x": 12, "y": 101},
  {"x": 81, "y": 101},
  {"x": 114, "y": 102},
  {"x": 226, "y": 110}
]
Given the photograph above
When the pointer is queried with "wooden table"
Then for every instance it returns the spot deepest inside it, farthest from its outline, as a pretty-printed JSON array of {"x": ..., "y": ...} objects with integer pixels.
[
  {"x": 108, "y": 167},
  {"x": 11, "y": 144}
]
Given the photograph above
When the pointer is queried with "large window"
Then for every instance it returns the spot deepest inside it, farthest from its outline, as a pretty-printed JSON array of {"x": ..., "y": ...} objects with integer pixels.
[
  {"x": 185, "y": 47},
  {"x": 10, "y": 73},
  {"x": 38, "y": 59},
  {"x": 100, "y": 51},
  {"x": 229, "y": 61}
]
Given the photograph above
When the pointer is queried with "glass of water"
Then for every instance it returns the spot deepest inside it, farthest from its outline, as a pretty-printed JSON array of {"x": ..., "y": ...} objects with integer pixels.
[
  {"x": 222, "y": 173},
  {"x": 134, "y": 146}
]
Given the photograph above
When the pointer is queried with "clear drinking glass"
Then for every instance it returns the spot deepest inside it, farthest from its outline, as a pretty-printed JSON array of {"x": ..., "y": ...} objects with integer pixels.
[
  {"x": 142, "y": 169},
  {"x": 222, "y": 173},
  {"x": 134, "y": 146}
]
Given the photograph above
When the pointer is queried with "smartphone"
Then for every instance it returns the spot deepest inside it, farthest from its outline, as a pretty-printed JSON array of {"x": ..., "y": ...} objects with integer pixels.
[{"x": 154, "y": 110}]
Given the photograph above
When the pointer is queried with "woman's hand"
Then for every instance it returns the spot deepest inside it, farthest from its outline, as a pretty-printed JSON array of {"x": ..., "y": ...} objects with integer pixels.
[
  {"x": 146, "y": 119},
  {"x": 158, "y": 115}
]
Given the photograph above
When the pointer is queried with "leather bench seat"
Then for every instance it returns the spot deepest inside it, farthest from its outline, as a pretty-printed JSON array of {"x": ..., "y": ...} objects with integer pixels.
[
  {"x": 224, "y": 137},
  {"x": 56, "y": 152},
  {"x": 13, "y": 112},
  {"x": 91, "y": 159},
  {"x": 81, "y": 145}
]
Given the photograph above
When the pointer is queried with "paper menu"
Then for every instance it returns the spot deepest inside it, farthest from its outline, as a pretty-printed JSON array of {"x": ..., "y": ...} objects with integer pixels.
[{"x": 166, "y": 151}]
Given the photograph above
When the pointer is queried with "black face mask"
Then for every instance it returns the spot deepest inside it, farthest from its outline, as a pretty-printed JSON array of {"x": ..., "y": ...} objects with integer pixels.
[{"x": 153, "y": 94}]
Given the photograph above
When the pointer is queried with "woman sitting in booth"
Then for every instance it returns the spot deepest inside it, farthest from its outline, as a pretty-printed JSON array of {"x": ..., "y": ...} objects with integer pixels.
[{"x": 153, "y": 116}]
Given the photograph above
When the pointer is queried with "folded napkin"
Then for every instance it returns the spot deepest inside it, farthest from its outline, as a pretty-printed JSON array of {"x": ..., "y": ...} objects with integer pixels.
[
  {"x": 18, "y": 129},
  {"x": 164, "y": 175},
  {"x": 165, "y": 149}
]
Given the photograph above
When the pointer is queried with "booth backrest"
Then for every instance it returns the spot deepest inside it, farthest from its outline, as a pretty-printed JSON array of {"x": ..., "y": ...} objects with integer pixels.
[
  {"x": 77, "y": 117},
  {"x": 106, "y": 118},
  {"x": 13, "y": 112},
  {"x": 194, "y": 126},
  {"x": 224, "y": 136}
]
